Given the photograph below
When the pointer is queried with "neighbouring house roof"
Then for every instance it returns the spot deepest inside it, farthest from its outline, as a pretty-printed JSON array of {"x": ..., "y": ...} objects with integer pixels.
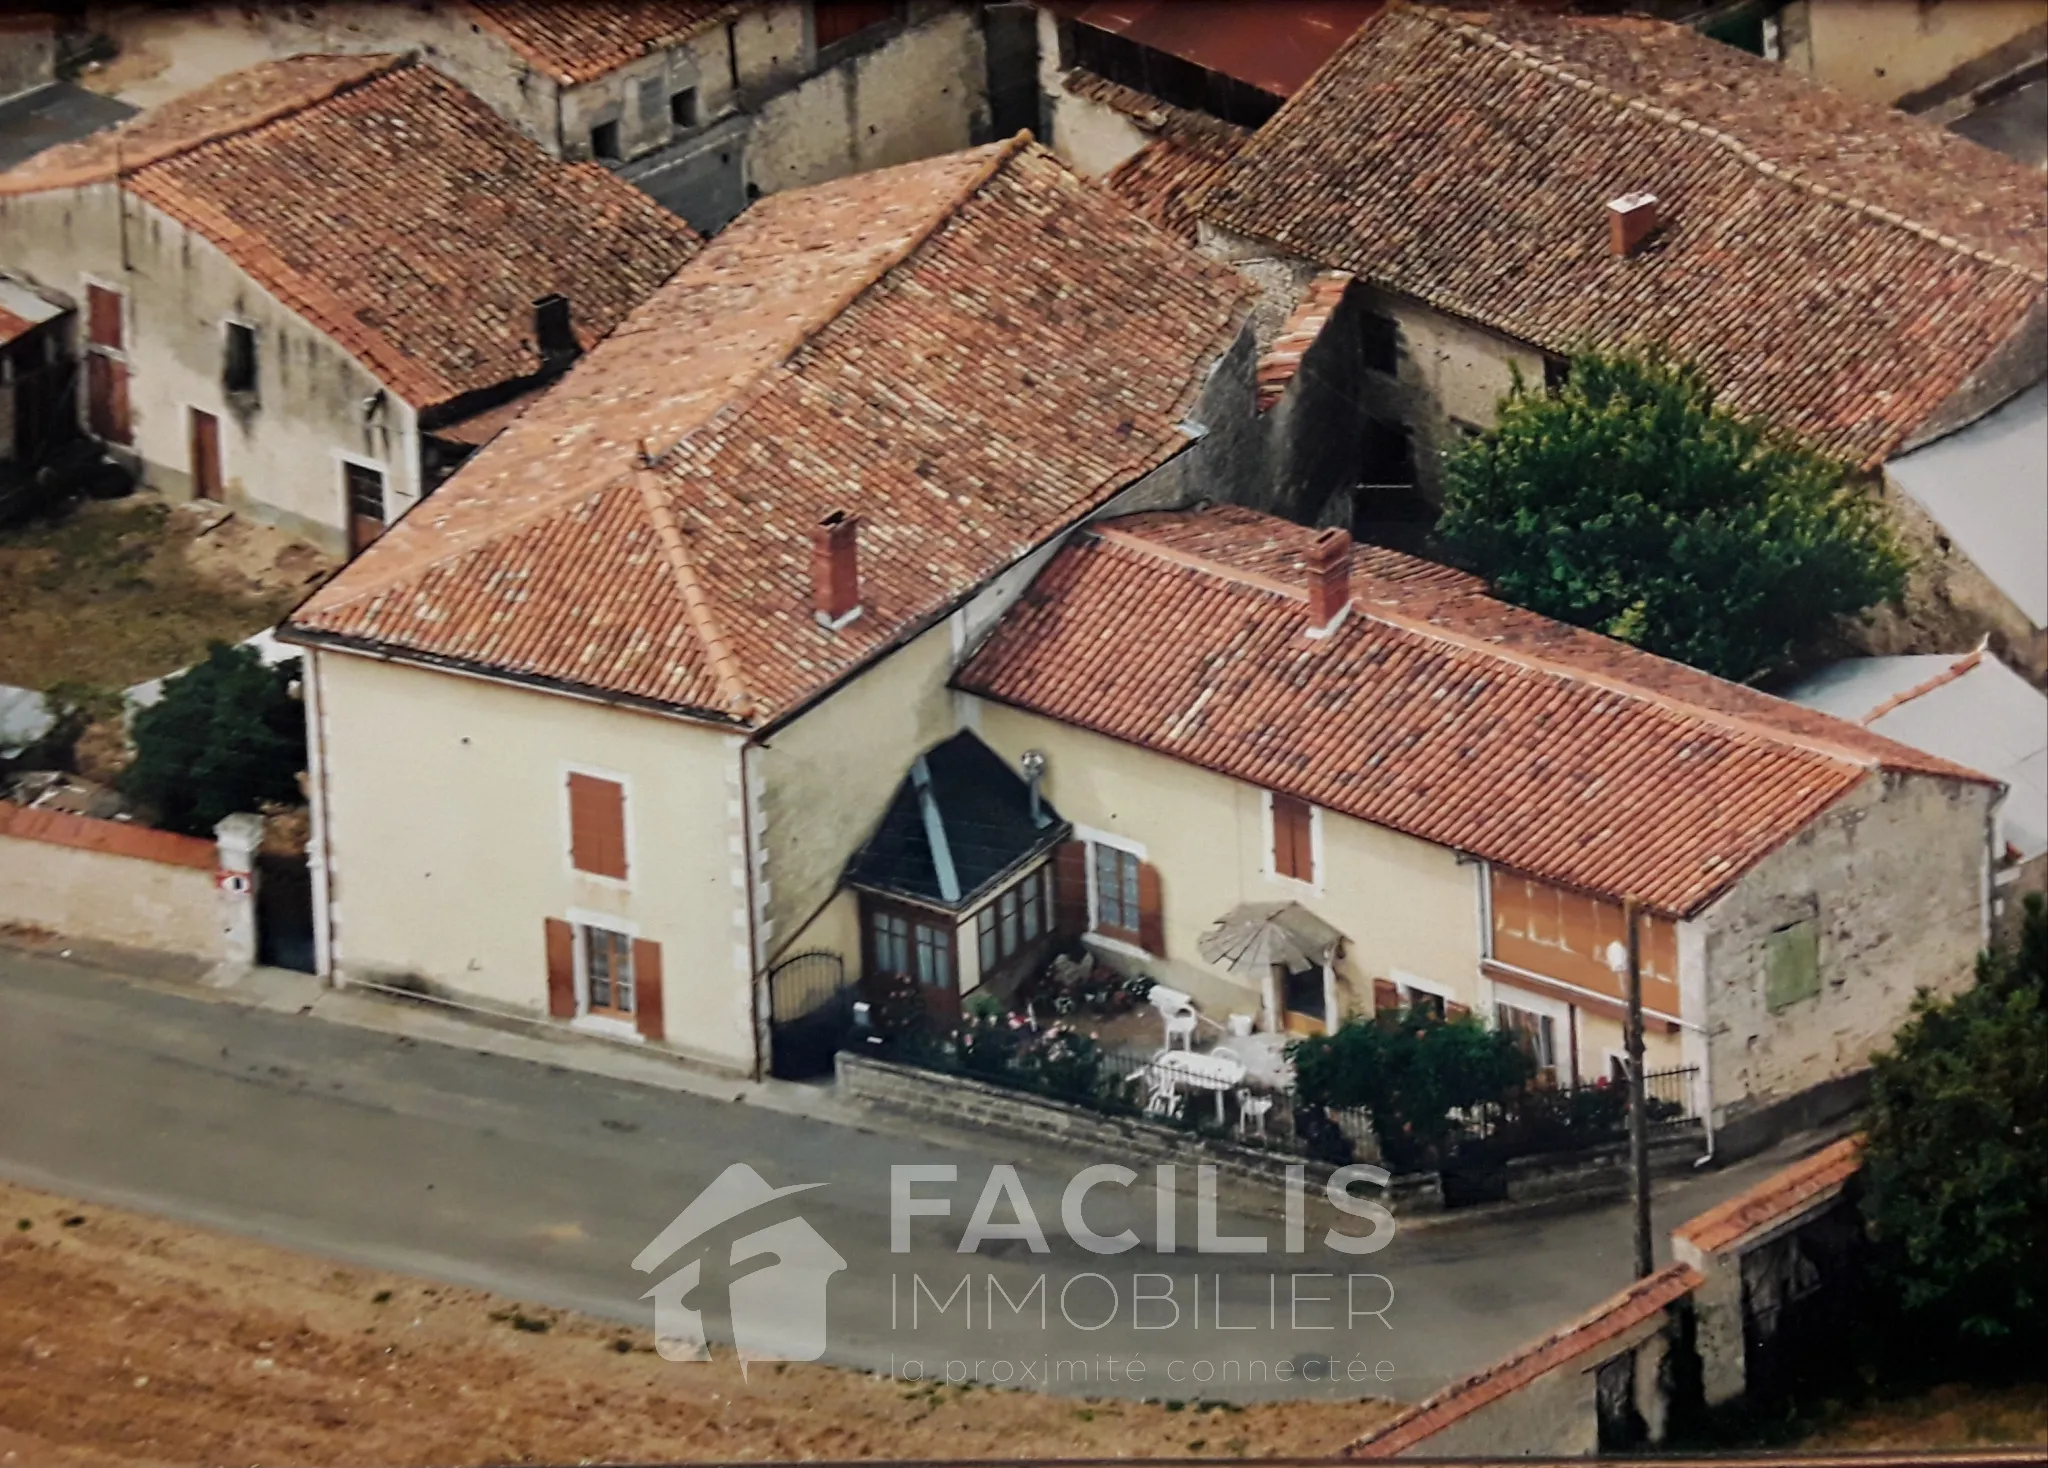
[
  {"x": 964, "y": 818},
  {"x": 22, "y": 310},
  {"x": 969, "y": 353},
  {"x": 1837, "y": 266},
  {"x": 1161, "y": 179},
  {"x": 1778, "y": 1197},
  {"x": 1971, "y": 709},
  {"x": 1641, "y": 1302},
  {"x": 1275, "y": 45},
  {"x": 1280, "y": 363},
  {"x": 1431, "y": 709},
  {"x": 1986, "y": 486},
  {"x": 575, "y": 41},
  {"x": 390, "y": 209}
]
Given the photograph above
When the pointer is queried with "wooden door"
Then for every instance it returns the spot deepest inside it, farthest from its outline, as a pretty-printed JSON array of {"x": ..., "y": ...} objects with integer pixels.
[
  {"x": 365, "y": 494},
  {"x": 206, "y": 477},
  {"x": 106, "y": 366}
]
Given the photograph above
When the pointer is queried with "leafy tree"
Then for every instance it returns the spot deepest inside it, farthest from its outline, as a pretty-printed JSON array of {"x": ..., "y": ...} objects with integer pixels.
[
  {"x": 1956, "y": 1167},
  {"x": 1410, "y": 1071},
  {"x": 1629, "y": 502},
  {"x": 226, "y": 735}
]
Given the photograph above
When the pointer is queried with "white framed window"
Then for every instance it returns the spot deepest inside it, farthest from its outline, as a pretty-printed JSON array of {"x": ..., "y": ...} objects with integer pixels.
[
  {"x": 607, "y": 986},
  {"x": 1294, "y": 840},
  {"x": 1431, "y": 995},
  {"x": 1016, "y": 919},
  {"x": 1115, "y": 891},
  {"x": 1540, "y": 1027}
]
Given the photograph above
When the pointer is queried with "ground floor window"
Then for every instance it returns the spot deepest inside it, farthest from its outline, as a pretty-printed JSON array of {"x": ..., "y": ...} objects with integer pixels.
[
  {"x": 1014, "y": 920},
  {"x": 1537, "y": 1035},
  {"x": 1116, "y": 893},
  {"x": 903, "y": 942},
  {"x": 608, "y": 970}
]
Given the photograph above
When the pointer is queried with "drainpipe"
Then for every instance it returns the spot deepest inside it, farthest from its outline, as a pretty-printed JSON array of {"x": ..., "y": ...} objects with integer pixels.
[
  {"x": 323, "y": 889},
  {"x": 755, "y": 978}
]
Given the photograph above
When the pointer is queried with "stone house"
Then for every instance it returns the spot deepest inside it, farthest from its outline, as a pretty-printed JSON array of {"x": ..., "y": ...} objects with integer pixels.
[
  {"x": 666, "y": 648},
  {"x": 269, "y": 319},
  {"x": 1853, "y": 274},
  {"x": 1911, "y": 56},
  {"x": 705, "y": 104},
  {"x": 308, "y": 288},
  {"x": 1451, "y": 800}
]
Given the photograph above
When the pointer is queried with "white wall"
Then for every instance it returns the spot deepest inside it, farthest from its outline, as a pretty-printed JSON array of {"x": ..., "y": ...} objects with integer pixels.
[
  {"x": 281, "y": 460},
  {"x": 446, "y": 833}
]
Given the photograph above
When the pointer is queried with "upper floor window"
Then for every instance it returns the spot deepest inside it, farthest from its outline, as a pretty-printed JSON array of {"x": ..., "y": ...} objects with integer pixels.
[
  {"x": 841, "y": 20},
  {"x": 597, "y": 826},
  {"x": 238, "y": 364},
  {"x": 604, "y": 142},
  {"x": 682, "y": 107},
  {"x": 1380, "y": 339},
  {"x": 1294, "y": 832}
]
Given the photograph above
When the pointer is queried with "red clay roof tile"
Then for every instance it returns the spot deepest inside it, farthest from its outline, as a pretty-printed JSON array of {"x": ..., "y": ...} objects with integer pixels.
[
  {"x": 1837, "y": 266},
  {"x": 1777, "y": 1196},
  {"x": 114, "y": 838},
  {"x": 392, "y": 210},
  {"x": 575, "y": 41},
  {"x": 1431, "y": 709},
  {"x": 969, "y": 353}
]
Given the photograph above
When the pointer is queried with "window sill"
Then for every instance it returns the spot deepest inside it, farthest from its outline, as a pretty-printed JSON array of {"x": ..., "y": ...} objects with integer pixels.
[
  {"x": 1118, "y": 946},
  {"x": 608, "y": 1027}
]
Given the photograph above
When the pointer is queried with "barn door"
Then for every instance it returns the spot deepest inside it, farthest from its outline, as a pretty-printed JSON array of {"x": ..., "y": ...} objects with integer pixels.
[
  {"x": 205, "y": 455},
  {"x": 106, "y": 366}
]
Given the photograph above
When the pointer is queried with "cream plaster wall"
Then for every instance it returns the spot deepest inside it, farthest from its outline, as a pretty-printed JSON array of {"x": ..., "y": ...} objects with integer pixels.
[
  {"x": 1895, "y": 874},
  {"x": 281, "y": 459},
  {"x": 446, "y": 832},
  {"x": 826, "y": 777},
  {"x": 1402, "y": 904},
  {"x": 109, "y": 899},
  {"x": 1089, "y": 136},
  {"x": 1882, "y": 50},
  {"x": 1448, "y": 370}
]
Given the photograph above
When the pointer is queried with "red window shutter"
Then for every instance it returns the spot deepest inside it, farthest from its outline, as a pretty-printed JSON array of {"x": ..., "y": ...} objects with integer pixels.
[
  {"x": 597, "y": 826},
  {"x": 1385, "y": 996},
  {"x": 1293, "y": 849},
  {"x": 1304, "y": 842},
  {"x": 561, "y": 969},
  {"x": 103, "y": 317},
  {"x": 1151, "y": 911},
  {"x": 647, "y": 988},
  {"x": 1070, "y": 889},
  {"x": 835, "y": 20}
]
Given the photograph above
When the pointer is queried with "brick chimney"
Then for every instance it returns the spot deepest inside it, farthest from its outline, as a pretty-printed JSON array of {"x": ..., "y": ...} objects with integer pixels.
[
  {"x": 1630, "y": 221},
  {"x": 835, "y": 569},
  {"x": 553, "y": 332},
  {"x": 1328, "y": 564}
]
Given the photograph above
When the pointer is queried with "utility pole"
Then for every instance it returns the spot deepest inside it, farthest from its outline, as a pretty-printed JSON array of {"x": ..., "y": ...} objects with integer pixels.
[{"x": 1638, "y": 1119}]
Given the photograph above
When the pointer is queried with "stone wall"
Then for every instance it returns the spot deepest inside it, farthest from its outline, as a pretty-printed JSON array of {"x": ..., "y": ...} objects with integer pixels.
[
  {"x": 1891, "y": 882},
  {"x": 109, "y": 882}
]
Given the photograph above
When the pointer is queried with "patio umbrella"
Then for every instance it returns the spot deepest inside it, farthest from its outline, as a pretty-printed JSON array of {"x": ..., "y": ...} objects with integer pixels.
[{"x": 1252, "y": 937}]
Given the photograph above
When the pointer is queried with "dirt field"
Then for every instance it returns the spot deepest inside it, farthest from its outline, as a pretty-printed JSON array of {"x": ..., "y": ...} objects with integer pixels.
[
  {"x": 1946, "y": 1417},
  {"x": 132, "y": 1341},
  {"x": 115, "y": 592}
]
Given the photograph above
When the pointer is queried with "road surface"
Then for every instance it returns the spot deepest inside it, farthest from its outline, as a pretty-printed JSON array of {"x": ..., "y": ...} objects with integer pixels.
[{"x": 544, "y": 1183}]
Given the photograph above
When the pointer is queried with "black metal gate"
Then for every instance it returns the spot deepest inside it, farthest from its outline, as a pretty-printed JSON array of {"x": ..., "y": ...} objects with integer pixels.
[
  {"x": 1799, "y": 1304},
  {"x": 284, "y": 912},
  {"x": 810, "y": 1011}
]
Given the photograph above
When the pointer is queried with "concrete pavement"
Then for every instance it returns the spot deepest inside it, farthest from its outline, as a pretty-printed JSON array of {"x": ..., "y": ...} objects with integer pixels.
[{"x": 421, "y": 1142}]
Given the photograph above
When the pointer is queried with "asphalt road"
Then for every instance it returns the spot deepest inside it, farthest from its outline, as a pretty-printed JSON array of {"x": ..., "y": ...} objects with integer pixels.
[{"x": 545, "y": 1183}]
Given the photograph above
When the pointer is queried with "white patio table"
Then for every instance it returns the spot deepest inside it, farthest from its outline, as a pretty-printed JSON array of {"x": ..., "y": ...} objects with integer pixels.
[{"x": 1215, "y": 1071}]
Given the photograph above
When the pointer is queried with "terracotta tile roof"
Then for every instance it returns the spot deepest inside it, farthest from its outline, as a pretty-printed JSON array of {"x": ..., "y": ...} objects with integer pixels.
[
  {"x": 579, "y": 40},
  {"x": 1837, "y": 266},
  {"x": 114, "y": 838},
  {"x": 1281, "y": 360},
  {"x": 1162, "y": 179},
  {"x": 1778, "y": 1196},
  {"x": 397, "y": 213},
  {"x": 12, "y": 326},
  {"x": 1431, "y": 709},
  {"x": 969, "y": 353},
  {"x": 1642, "y": 1301}
]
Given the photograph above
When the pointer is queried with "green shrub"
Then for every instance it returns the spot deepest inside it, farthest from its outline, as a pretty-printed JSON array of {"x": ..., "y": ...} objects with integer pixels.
[
  {"x": 1956, "y": 1169},
  {"x": 1630, "y": 502},
  {"x": 227, "y": 736},
  {"x": 1410, "y": 1072}
]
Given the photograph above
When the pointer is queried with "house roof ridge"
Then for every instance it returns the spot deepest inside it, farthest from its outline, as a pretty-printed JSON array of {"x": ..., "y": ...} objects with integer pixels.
[
  {"x": 1384, "y": 610},
  {"x": 523, "y": 46},
  {"x": 718, "y": 650},
  {"x": 125, "y": 166},
  {"x": 1729, "y": 142},
  {"x": 1946, "y": 676}
]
